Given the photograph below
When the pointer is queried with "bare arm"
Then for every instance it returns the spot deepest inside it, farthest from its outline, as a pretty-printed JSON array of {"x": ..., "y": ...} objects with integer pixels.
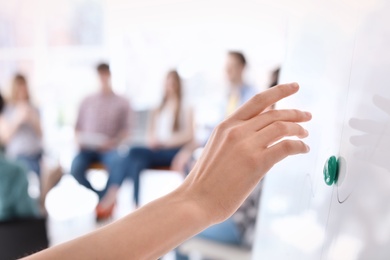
[
  {"x": 137, "y": 236},
  {"x": 238, "y": 155}
]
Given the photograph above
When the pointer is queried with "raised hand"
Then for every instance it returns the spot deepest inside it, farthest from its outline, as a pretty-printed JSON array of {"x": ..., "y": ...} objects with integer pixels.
[{"x": 242, "y": 149}]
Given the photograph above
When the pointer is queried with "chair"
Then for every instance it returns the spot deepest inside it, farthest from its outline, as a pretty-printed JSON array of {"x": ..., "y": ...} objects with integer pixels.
[{"x": 19, "y": 238}]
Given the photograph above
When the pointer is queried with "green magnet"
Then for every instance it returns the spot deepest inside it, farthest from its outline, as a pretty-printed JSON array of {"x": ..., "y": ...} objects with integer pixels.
[{"x": 331, "y": 169}]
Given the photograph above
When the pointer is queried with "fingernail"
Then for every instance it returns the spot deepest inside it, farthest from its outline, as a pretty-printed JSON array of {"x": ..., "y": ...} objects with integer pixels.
[
  {"x": 307, "y": 148},
  {"x": 294, "y": 85},
  {"x": 308, "y": 114}
]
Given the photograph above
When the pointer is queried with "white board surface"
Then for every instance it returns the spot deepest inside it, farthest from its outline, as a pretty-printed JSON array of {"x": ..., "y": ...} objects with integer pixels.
[{"x": 339, "y": 52}]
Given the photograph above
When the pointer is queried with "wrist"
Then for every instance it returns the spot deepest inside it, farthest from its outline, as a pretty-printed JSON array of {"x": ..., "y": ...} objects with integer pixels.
[
  {"x": 193, "y": 208},
  {"x": 200, "y": 204}
]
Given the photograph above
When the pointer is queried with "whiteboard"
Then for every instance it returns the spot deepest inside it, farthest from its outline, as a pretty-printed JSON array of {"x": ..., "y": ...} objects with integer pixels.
[{"x": 339, "y": 52}]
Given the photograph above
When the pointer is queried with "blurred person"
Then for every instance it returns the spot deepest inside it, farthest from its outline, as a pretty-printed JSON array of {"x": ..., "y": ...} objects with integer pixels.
[
  {"x": 239, "y": 92},
  {"x": 15, "y": 201},
  {"x": 239, "y": 229},
  {"x": 221, "y": 180},
  {"x": 170, "y": 127},
  {"x": 103, "y": 123},
  {"x": 20, "y": 127},
  {"x": 21, "y": 133}
]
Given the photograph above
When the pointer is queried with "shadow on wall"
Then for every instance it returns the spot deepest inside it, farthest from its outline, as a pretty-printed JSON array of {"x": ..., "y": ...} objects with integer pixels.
[{"x": 374, "y": 143}]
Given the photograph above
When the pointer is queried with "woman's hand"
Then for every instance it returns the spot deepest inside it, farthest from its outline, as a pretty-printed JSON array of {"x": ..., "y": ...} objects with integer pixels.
[{"x": 241, "y": 151}]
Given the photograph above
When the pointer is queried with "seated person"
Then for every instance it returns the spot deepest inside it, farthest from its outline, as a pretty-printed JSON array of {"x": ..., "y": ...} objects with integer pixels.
[
  {"x": 170, "y": 128},
  {"x": 20, "y": 127},
  {"x": 15, "y": 201},
  {"x": 239, "y": 229},
  {"x": 103, "y": 123}
]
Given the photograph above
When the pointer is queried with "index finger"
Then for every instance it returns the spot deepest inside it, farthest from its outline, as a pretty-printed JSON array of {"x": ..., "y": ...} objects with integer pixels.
[{"x": 261, "y": 101}]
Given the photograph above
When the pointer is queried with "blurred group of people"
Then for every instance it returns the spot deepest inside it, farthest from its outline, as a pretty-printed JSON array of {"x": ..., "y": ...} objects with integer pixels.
[{"x": 104, "y": 122}]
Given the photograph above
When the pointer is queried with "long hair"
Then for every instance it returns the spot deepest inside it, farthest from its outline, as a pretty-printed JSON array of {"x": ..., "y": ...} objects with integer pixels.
[
  {"x": 178, "y": 96},
  {"x": 19, "y": 79}
]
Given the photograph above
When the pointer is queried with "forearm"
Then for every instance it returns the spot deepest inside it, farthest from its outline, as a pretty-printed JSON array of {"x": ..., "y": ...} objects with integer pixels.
[{"x": 148, "y": 233}]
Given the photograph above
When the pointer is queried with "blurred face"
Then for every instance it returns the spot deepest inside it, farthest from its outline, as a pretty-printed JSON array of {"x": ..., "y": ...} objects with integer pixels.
[
  {"x": 234, "y": 70},
  {"x": 104, "y": 77},
  {"x": 21, "y": 93},
  {"x": 171, "y": 86}
]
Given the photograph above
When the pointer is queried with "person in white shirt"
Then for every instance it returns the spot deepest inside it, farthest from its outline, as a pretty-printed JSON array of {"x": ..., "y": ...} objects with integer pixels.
[{"x": 170, "y": 128}]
